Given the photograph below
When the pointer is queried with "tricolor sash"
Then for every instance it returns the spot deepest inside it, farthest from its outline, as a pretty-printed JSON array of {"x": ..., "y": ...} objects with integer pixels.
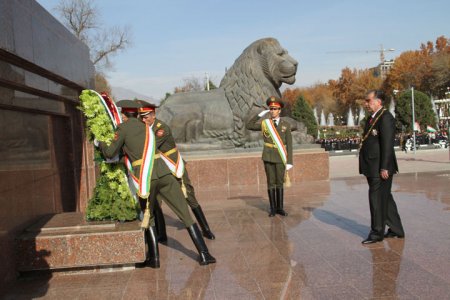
[
  {"x": 110, "y": 108},
  {"x": 134, "y": 179},
  {"x": 177, "y": 168},
  {"x": 268, "y": 126},
  {"x": 148, "y": 159}
]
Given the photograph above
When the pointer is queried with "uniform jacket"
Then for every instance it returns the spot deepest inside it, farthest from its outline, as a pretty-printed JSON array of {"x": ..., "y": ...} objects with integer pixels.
[
  {"x": 271, "y": 154},
  {"x": 164, "y": 139},
  {"x": 377, "y": 150},
  {"x": 130, "y": 136}
]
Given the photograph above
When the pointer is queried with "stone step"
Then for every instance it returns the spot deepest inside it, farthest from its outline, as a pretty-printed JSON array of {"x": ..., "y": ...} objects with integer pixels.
[{"x": 67, "y": 240}]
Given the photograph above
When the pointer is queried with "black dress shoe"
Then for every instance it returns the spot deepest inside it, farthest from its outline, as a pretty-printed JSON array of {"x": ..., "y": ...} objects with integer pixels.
[
  {"x": 281, "y": 212},
  {"x": 371, "y": 240},
  {"x": 391, "y": 234}
]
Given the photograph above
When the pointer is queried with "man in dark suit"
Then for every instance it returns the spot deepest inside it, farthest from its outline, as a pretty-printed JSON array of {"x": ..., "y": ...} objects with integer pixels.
[
  {"x": 378, "y": 163},
  {"x": 277, "y": 151}
]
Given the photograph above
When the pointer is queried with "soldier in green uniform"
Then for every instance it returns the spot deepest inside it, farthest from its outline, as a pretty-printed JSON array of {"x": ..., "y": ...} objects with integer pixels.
[
  {"x": 277, "y": 151},
  {"x": 165, "y": 143},
  {"x": 131, "y": 136}
]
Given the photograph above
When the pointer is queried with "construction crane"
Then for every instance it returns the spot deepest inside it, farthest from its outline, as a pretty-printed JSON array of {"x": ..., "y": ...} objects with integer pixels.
[{"x": 381, "y": 51}]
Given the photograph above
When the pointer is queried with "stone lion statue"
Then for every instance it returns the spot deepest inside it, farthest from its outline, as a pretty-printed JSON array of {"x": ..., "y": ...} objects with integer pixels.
[{"x": 216, "y": 119}]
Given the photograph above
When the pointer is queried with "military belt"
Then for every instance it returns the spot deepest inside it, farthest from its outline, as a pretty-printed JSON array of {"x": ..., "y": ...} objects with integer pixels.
[
  {"x": 139, "y": 161},
  {"x": 171, "y": 151},
  {"x": 270, "y": 145}
]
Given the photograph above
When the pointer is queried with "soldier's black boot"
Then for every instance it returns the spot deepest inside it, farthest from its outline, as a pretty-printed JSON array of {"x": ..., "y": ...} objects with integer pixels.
[
  {"x": 153, "y": 249},
  {"x": 272, "y": 202},
  {"x": 201, "y": 219},
  {"x": 205, "y": 258},
  {"x": 280, "y": 201},
  {"x": 160, "y": 223}
]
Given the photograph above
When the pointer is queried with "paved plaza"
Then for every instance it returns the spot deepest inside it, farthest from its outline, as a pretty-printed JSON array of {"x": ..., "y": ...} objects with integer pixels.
[{"x": 314, "y": 253}]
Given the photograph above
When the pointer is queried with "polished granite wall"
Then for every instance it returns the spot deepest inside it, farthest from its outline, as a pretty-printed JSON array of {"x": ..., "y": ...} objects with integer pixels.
[
  {"x": 228, "y": 174},
  {"x": 43, "y": 165}
]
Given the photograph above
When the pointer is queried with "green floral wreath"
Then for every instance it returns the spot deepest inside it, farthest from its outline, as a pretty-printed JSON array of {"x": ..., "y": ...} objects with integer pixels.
[{"x": 112, "y": 198}]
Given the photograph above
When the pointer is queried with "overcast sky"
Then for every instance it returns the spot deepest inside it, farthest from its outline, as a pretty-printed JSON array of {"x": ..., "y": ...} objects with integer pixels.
[{"x": 176, "y": 39}]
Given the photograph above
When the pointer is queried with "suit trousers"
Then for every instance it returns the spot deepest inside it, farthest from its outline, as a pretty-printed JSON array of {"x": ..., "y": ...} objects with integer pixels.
[{"x": 383, "y": 210}]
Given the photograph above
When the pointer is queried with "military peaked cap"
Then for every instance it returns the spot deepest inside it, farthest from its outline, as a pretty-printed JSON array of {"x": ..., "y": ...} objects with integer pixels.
[
  {"x": 273, "y": 101},
  {"x": 145, "y": 107},
  {"x": 128, "y": 105}
]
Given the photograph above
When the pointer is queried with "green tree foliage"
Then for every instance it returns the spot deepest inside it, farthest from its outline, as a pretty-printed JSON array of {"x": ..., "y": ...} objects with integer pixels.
[
  {"x": 302, "y": 112},
  {"x": 319, "y": 95},
  {"x": 423, "y": 110},
  {"x": 165, "y": 98},
  {"x": 212, "y": 86}
]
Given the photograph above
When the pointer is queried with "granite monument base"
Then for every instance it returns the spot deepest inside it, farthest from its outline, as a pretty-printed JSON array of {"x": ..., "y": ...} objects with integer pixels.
[
  {"x": 67, "y": 242},
  {"x": 228, "y": 171}
]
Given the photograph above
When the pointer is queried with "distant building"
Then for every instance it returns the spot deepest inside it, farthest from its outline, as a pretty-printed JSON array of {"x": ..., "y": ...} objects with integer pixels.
[
  {"x": 383, "y": 68},
  {"x": 442, "y": 110}
]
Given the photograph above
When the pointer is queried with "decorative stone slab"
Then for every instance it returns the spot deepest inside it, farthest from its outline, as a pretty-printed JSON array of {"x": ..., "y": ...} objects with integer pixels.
[
  {"x": 229, "y": 170},
  {"x": 68, "y": 241}
]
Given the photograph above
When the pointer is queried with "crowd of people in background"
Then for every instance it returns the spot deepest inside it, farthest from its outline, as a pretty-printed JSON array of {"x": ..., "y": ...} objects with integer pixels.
[
  {"x": 438, "y": 139},
  {"x": 405, "y": 141},
  {"x": 333, "y": 144}
]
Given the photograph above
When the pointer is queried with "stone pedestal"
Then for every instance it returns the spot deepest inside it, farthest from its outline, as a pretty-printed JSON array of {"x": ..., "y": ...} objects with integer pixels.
[
  {"x": 227, "y": 172},
  {"x": 66, "y": 240}
]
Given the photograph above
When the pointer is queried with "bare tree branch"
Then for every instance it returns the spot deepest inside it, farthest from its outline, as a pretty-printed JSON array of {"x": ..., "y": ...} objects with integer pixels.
[
  {"x": 111, "y": 42},
  {"x": 191, "y": 84},
  {"x": 82, "y": 18}
]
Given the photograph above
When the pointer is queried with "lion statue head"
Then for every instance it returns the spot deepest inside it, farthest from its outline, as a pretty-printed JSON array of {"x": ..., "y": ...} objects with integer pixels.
[{"x": 256, "y": 75}]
